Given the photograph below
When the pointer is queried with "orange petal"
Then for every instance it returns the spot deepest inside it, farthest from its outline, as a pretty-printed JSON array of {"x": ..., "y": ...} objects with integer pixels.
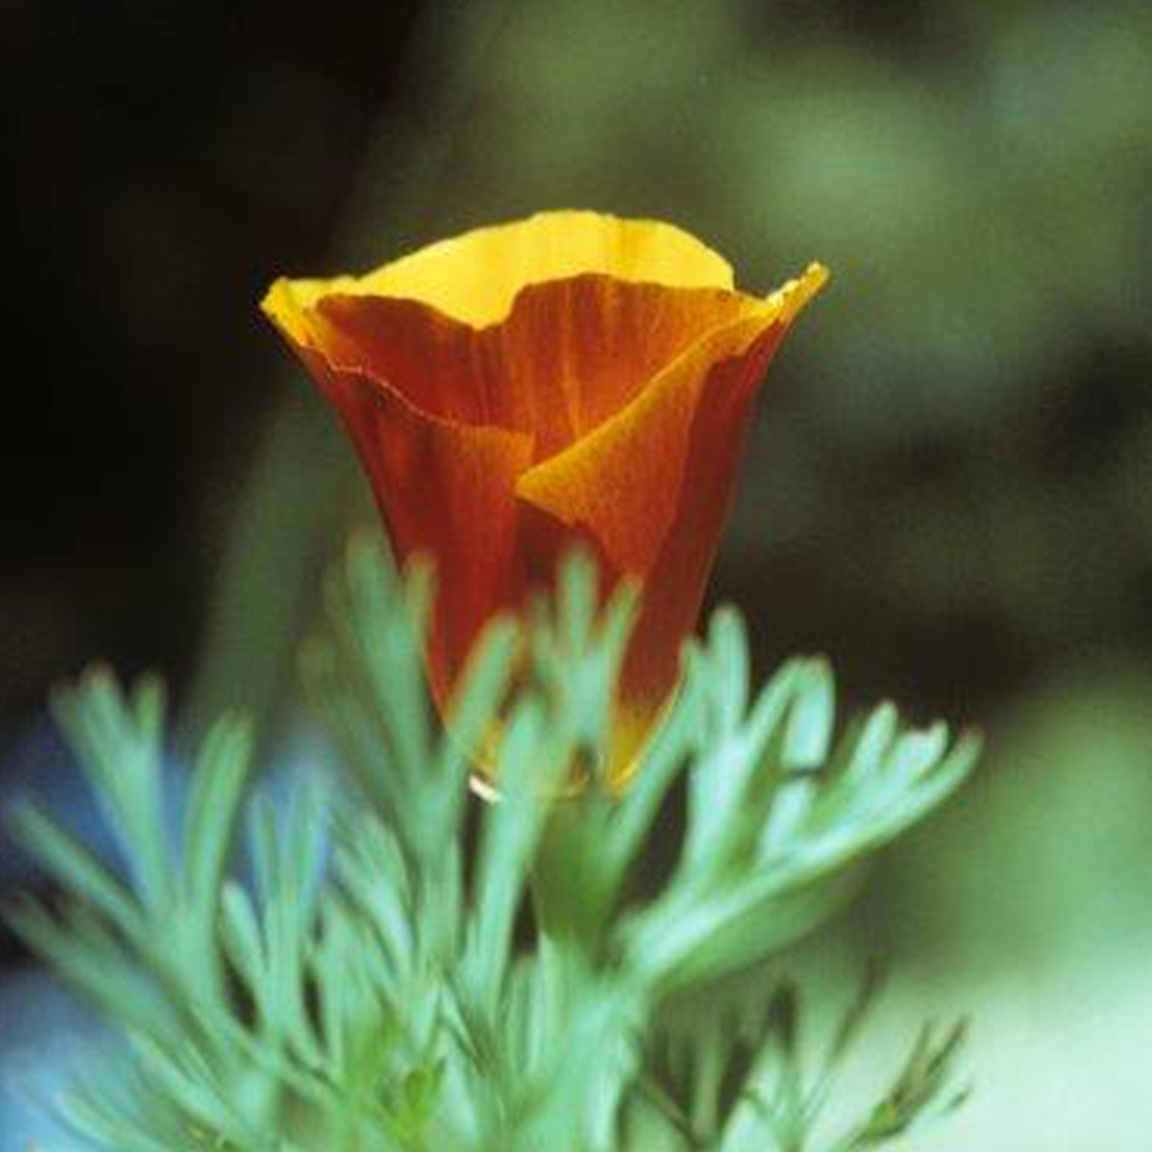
[
  {"x": 575, "y": 352},
  {"x": 570, "y": 354},
  {"x": 623, "y": 481},
  {"x": 652, "y": 484},
  {"x": 475, "y": 277},
  {"x": 678, "y": 572},
  {"x": 433, "y": 361},
  {"x": 446, "y": 490}
]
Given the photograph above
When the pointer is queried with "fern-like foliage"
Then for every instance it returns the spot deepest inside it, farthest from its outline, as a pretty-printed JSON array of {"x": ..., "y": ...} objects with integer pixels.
[{"x": 404, "y": 969}]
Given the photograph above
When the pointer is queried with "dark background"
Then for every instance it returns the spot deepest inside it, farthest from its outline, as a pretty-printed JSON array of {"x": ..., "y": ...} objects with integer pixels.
[
  {"x": 163, "y": 161},
  {"x": 948, "y": 488}
]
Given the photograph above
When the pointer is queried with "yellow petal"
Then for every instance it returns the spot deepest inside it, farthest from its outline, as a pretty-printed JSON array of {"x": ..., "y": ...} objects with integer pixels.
[{"x": 475, "y": 277}]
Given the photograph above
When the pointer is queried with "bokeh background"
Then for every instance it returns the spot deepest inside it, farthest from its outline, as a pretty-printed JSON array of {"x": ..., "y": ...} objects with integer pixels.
[{"x": 948, "y": 488}]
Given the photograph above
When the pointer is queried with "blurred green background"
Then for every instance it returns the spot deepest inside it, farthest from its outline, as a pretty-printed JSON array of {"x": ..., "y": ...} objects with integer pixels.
[{"x": 948, "y": 488}]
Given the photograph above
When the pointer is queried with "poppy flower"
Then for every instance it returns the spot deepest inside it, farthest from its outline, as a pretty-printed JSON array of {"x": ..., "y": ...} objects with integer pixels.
[{"x": 569, "y": 377}]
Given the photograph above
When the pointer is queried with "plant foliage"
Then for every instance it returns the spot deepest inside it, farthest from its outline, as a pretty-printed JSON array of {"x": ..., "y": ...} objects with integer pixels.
[{"x": 403, "y": 968}]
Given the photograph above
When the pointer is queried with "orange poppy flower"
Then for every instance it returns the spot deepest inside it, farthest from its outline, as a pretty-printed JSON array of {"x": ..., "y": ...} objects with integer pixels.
[{"x": 570, "y": 376}]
